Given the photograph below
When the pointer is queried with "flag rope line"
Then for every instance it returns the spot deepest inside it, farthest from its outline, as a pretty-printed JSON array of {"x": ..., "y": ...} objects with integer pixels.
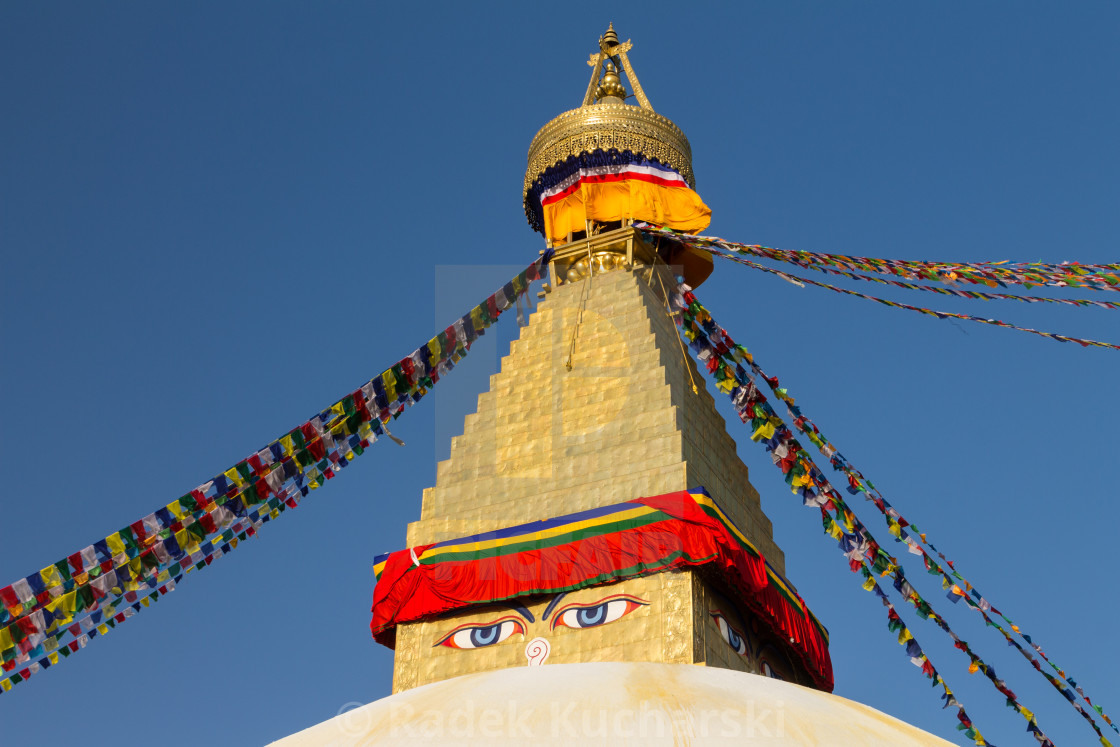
[
  {"x": 991, "y": 274},
  {"x": 929, "y": 312},
  {"x": 724, "y": 359},
  {"x": 73, "y": 591},
  {"x": 896, "y": 523},
  {"x": 957, "y": 292}
]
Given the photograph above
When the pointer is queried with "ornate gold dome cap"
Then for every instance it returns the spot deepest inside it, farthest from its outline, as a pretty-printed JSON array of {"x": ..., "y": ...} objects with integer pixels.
[{"x": 604, "y": 128}]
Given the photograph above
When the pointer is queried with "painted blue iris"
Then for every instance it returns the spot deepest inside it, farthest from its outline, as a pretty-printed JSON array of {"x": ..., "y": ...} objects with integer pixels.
[{"x": 608, "y": 610}]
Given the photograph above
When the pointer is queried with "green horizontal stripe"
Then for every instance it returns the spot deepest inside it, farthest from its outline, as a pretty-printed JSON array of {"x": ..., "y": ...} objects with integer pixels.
[
  {"x": 542, "y": 544},
  {"x": 749, "y": 549},
  {"x": 640, "y": 569}
]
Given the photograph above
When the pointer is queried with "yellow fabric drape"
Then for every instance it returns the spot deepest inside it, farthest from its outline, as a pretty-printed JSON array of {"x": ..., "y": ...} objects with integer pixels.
[{"x": 678, "y": 208}]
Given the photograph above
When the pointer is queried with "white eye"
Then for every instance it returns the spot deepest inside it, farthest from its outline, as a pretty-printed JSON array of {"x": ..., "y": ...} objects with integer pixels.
[
  {"x": 482, "y": 635},
  {"x": 731, "y": 636},
  {"x": 597, "y": 614}
]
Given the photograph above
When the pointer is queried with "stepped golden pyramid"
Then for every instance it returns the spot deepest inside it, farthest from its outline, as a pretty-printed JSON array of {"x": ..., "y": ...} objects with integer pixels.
[{"x": 597, "y": 405}]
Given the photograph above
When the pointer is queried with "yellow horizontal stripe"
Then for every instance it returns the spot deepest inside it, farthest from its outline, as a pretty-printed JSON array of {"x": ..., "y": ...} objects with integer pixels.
[
  {"x": 707, "y": 501},
  {"x": 632, "y": 513},
  {"x": 782, "y": 583}
]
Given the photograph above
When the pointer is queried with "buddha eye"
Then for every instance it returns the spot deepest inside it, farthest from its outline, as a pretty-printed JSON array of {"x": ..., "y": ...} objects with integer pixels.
[
  {"x": 769, "y": 671},
  {"x": 731, "y": 636},
  {"x": 593, "y": 615},
  {"x": 480, "y": 636}
]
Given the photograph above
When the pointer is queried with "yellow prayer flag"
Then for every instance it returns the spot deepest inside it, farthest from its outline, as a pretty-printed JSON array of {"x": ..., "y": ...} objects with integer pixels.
[
  {"x": 6, "y": 684},
  {"x": 116, "y": 544},
  {"x": 53, "y": 658},
  {"x": 102, "y": 628},
  {"x": 973, "y": 668},
  {"x": 186, "y": 540},
  {"x": 69, "y": 603},
  {"x": 766, "y": 430},
  {"x": 51, "y": 577},
  {"x": 287, "y": 445},
  {"x": 5, "y": 639},
  {"x": 235, "y": 477},
  {"x": 176, "y": 509},
  {"x": 476, "y": 318}
]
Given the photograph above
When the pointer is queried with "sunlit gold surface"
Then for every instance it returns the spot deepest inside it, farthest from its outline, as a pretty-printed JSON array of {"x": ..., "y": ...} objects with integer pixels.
[
  {"x": 624, "y": 422},
  {"x": 597, "y": 263},
  {"x": 546, "y": 441}
]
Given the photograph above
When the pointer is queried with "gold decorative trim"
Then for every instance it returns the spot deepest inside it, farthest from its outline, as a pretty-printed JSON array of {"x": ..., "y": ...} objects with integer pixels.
[{"x": 603, "y": 127}]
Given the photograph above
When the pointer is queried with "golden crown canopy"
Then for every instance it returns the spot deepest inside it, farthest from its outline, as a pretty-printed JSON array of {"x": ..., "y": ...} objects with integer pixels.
[{"x": 604, "y": 122}]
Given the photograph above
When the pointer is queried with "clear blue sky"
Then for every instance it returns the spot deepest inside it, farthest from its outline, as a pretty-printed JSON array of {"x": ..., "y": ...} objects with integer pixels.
[{"x": 216, "y": 220}]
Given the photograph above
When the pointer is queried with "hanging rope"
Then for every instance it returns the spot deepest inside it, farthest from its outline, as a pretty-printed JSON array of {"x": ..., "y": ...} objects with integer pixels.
[
  {"x": 991, "y": 274},
  {"x": 725, "y": 361},
  {"x": 917, "y": 543},
  {"x": 87, "y": 593}
]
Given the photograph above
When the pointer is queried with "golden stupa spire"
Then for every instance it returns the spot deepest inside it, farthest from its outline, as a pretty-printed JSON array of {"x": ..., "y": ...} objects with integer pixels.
[{"x": 614, "y": 54}]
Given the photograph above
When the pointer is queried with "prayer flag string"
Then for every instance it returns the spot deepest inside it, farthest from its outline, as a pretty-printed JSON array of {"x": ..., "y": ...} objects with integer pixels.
[
  {"x": 796, "y": 279},
  {"x": 72, "y": 600},
  {"x": 957, "y": 292},
  {"x": 896, "y": 524},
  {"x": 725, "y": 361},
  {"x": 991, "y": 274}
]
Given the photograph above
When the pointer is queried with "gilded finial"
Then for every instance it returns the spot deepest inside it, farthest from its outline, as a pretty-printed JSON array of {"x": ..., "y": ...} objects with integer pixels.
[
  {"x": 610, "y": 89},
  {"x": 608, "y": 40}
]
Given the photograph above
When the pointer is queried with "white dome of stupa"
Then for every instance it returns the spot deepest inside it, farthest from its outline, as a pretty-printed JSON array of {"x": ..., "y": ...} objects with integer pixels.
[{"x": 614, "y": 703}]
